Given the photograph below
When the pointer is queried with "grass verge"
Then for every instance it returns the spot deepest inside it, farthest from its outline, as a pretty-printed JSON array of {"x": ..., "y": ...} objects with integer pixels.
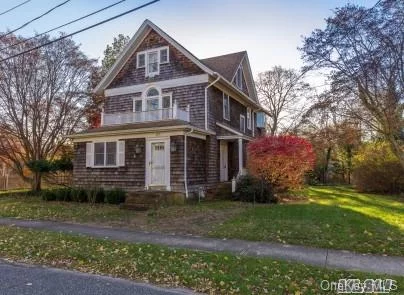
[{"x": 202, "y": 271}]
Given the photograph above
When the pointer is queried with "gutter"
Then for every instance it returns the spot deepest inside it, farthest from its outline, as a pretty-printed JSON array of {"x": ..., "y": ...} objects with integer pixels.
[
  {"x": 185, "y": 162},
  {"x": 206, "y": 98}
]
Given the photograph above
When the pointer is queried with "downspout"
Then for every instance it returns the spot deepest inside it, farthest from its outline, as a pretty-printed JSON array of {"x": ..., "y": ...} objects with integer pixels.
[
  {"x": 206, "y": 98},
  {"x": 185, "y": 161}
]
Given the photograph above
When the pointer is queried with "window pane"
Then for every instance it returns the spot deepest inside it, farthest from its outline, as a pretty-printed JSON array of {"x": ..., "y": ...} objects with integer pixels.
[
  {"x": 166, "y": 102},
  {"x": 153, "y": 92},
  {"x": 141, "y": 60},
  {"x": 111, "y": 153},
  {"x": 242, "y": 123},
  {"x": 226, "y": 108},
  {"x": 153, "y": 62},
  {"x": 152, "y": 104},
  {"x": 138, "y": 105},
  {"x": 99, "y": 154},
  {"x": 163, "y": 55}
]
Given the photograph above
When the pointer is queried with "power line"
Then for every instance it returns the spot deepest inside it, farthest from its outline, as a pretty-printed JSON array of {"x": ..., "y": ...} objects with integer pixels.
[
  {"x": 82, "y": 30},
  {"x": 34, "y": 19},
  {"x": 15, "y": 7},
  {"x": 64, "y": 25}
]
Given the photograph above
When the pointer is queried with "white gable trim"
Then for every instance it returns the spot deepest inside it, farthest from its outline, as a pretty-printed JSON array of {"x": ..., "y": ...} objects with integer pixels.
[{"x": 190, "y": 80}]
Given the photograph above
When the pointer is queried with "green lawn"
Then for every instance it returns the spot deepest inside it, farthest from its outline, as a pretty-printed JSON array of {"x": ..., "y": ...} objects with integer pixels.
[
  {"x": 212, "y": 273},
  {"x": 334, "y": 217},
  {"x": 331, "y": 217}
]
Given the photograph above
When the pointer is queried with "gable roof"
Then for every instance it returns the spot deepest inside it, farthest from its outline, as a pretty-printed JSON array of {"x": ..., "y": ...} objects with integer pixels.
[
  {"x": 146, "y": 27},
  {"x": 226, "y": 65}
]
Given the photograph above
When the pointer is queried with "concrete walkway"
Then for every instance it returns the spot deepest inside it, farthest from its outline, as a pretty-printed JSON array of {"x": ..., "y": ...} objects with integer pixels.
[{"x": 334, "y": 259}]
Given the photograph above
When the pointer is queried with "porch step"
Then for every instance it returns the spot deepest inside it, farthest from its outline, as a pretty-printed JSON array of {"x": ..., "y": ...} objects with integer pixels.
[
  {"x": 222, "y": 191},
  {"x": 145, "y": 200}
]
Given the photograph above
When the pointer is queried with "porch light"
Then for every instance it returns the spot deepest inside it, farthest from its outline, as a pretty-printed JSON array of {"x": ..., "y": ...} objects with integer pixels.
[
  {"x": 138, "y": 149},
  {"x": 173, "y": 146}
]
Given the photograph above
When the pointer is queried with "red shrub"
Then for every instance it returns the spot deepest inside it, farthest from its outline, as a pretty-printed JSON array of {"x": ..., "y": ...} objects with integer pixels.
[{"x": 281, "y": 160}]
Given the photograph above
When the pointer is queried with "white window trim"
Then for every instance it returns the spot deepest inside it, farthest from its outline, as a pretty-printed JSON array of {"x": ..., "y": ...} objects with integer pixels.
[
  {"x": 242, "y": 127},
  {"x": 137, "y": 60},
  {"x": 136, "y": 98},
  {"x": 105, "y": 155},
  {"x": 145, "y": 97},
  {"x": 249, "y": 118},
  {"x": 225, "y": 96},
  {"x": 168, "y": 55},
  {"x": 146, "y": 55},
  {"x": 170, "y": 94}
]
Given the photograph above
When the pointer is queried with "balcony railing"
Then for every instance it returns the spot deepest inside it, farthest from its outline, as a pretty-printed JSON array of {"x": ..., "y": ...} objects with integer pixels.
[{"x": 173, "y": 113}]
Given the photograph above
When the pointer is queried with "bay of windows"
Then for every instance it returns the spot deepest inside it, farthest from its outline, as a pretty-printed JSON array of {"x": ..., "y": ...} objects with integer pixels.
[{"x": 152, "y": 59}]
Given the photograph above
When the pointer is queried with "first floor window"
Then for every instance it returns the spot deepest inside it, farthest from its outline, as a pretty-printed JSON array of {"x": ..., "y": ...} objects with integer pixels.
[
  {"x": 99, "y": 151},
  {"x": 242, "y": 123},
  {"x": 226, "y": 107},
  {"x": 105, "y": 153},
  {"x": 249, "y": 118}
]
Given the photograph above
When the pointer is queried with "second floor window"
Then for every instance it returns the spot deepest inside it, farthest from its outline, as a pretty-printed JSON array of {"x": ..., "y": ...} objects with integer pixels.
[
  {"x": 242, "y": 123},
  {"x": 226, "y": 107},
  {"x": 152, "y": 59},
  {"x": 249, "y": 118}
]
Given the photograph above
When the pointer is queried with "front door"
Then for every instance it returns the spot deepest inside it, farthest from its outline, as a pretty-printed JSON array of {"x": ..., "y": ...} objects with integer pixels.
[
  {"x": 224, "y": 161},
  {"x": 158, "y": 172}
]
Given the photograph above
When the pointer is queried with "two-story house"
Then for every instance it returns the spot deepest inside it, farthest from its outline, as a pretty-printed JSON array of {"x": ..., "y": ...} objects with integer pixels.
[{"x": 170, "y": 121}]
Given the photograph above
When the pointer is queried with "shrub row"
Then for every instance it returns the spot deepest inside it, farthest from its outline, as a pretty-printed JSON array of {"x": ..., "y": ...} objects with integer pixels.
[{"x": 81, "y": 195}]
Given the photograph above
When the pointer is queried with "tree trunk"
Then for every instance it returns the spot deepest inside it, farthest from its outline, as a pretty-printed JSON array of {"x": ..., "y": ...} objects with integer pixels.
[
  {"x": 327, "y": 161},
  {"x": 37, "y": 181}
]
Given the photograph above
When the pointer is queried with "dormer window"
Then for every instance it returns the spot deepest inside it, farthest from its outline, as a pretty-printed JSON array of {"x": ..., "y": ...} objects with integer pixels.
[
  {"x": 239, "y": 78},
  {"x": 152, "y": 59}
]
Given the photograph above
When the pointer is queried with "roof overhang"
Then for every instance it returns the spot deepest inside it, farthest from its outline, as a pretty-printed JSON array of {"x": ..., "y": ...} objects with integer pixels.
[{"x": 142, "y": 132}]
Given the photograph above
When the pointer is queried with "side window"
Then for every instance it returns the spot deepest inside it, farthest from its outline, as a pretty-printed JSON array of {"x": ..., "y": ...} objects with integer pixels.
[
  {"x": 153, "y": 65},
  {"x": 166, "y": 103},
  {"x": 137, "y": 105},
  {"x": 249, "y": 118},
  {"x": 242, "y": 123},
  {"x": 226, "y": 107},
  {"x": 239, "y": 78},
  {"x": 164, "y": 55},
  {"x": 141, "y": 60}
]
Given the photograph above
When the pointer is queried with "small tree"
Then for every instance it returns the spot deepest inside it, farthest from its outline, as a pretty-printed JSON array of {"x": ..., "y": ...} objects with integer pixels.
[{"x": 282, "y": 161}]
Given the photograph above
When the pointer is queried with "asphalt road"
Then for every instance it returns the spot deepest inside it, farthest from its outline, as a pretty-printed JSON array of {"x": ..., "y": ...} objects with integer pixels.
[{"x": 22, "y": 279}]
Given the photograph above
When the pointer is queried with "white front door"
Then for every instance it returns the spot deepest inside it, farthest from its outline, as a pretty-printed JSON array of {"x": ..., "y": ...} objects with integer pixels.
[
  {"x": 158, "y": 163},
  {"x": 224, "y": 161}
]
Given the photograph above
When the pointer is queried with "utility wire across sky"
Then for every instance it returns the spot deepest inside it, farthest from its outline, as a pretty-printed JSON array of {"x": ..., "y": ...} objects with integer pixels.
[
  {"x": 34, "y": 19},
  {"x": 14, "y": 7},
  {"x": 81, "y": 30},
  {"x": 64, "y": 25}
]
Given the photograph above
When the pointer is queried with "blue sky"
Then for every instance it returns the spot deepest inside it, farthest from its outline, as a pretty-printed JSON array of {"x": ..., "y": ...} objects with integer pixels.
[{"x": 270, "y": 30}]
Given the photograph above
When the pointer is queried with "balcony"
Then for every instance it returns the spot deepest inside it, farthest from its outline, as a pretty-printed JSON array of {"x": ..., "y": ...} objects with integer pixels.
[{"x": 174, "y": 113}]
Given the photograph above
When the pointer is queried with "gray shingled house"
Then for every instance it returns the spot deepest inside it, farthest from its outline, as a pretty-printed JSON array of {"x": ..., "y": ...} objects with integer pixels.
[{"x": 170, "y": 121}]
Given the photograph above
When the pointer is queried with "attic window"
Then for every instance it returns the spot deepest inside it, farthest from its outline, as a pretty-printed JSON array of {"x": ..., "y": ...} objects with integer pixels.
[
  {"x": 152, "y": 59},
  {"x": 239, "y": 78}
]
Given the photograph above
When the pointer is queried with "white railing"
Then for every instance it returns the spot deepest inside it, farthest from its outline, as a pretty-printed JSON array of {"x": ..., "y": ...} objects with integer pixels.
[{"x": 173, "y": 113}]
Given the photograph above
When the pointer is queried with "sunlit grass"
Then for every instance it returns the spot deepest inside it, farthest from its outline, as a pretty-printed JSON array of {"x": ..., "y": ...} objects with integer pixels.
[{"x": 333, "y": 217}]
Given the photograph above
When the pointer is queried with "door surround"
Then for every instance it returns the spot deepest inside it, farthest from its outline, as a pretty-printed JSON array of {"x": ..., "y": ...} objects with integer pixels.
[{"x": 148, "y": 160}]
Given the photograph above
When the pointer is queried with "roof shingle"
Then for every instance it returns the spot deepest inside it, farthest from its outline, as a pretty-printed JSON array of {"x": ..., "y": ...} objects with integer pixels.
[{"x": 226, "y": 65}]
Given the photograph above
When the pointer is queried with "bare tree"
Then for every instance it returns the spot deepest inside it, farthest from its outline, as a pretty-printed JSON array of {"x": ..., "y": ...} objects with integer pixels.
[
  {"x": 364, "y": 51},
  {"x": 283, "y": 93},
  {"x": 43, "y": 97}
]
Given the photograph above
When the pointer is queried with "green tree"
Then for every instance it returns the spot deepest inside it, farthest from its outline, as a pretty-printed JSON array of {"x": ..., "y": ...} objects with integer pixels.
[{"x": 112, "y": 52}]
